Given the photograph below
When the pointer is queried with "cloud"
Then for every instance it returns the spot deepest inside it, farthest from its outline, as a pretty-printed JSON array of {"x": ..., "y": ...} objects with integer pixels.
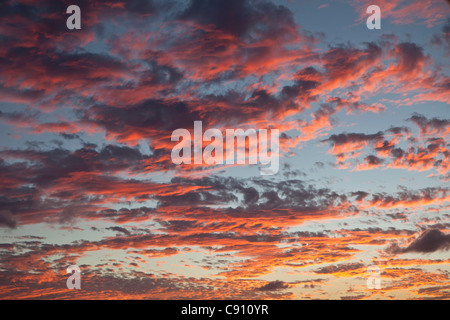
[
  {"x": 120, "y": 229},
  {"x": 443, "y": 39},
  {"x": 370, "y": 162},
  {"x": 410, "y": 58},
  {"x": 342, "y": 269},
  {"x": 431, "y": 126},
  {"x": 428, "y": 150},
  {"x": 247, "y": 20},
  {"x": 429, "y": 241},
  {"x": 274, "y": 285},
  {"x": 7, "y": 219}
]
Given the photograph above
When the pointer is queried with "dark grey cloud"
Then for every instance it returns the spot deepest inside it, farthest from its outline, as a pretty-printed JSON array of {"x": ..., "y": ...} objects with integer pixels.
[
  {"x": 360, "y": 195},
  {"x": 7, "y": 219},
  {"x": 343, "y": 60},
  {"x": 274, "y": 285},
  {"x": 426, "y": 125},
  {"x": 345, "y": 138},
  {"x": 120, "y": 229},
  {"x": 305, "y": 81},
  {"x": 339, "y": 268},
  {"x": 429, "y": 241},
  {"x": 373, "y": 160},
  {"x": 247, "y": 19},
  {"x": 410, "y": 56}
]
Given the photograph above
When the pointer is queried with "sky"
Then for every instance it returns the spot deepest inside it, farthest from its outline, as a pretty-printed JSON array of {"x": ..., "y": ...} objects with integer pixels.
[{"x": 87, "y": 179}]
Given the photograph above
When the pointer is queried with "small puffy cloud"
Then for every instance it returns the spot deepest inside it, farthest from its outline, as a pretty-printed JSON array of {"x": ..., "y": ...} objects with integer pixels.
[{"x": 274, "y": 285}]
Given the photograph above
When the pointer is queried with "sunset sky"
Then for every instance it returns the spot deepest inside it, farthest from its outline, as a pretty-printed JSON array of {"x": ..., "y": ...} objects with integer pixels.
[{"x": 86, "y": 176}]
